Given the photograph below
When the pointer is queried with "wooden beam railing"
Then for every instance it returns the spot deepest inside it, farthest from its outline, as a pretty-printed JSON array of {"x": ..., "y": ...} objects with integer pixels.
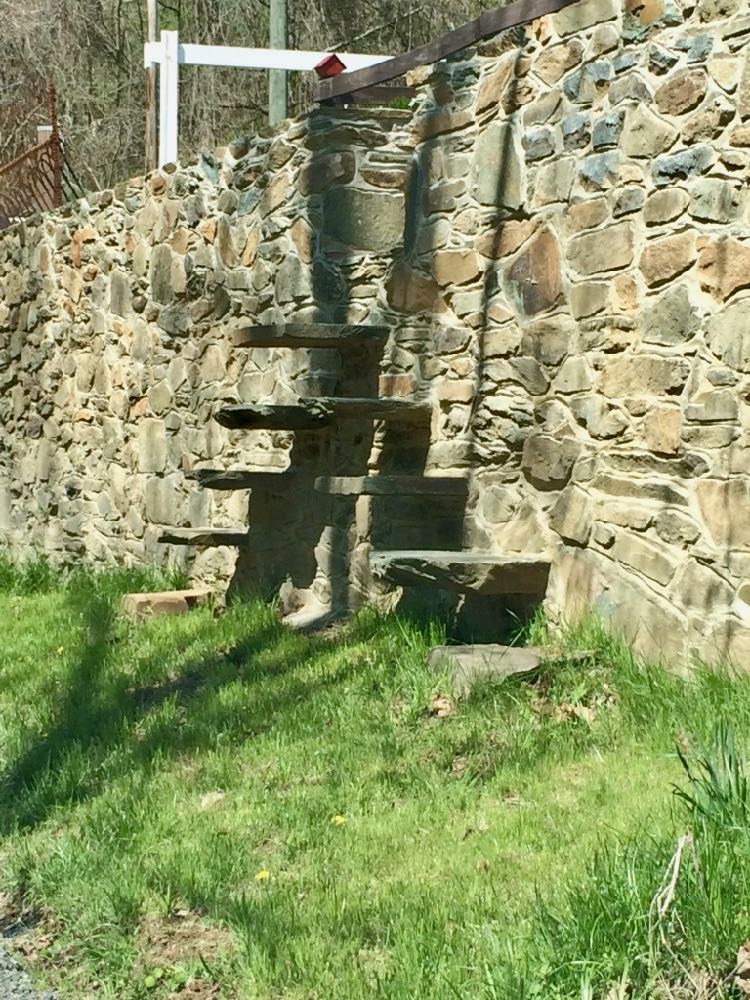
[{"x": 489, "y": 23}]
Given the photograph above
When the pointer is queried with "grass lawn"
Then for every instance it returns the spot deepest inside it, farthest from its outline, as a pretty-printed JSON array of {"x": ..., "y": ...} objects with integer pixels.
[{"x": 217, "y": 807}]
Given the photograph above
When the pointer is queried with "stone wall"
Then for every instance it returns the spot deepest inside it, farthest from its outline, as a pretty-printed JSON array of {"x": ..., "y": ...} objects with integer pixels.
[{"x": 558, "y": 235}]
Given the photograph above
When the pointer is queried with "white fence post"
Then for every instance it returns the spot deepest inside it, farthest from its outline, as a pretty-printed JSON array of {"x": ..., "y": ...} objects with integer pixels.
[{"x": 169, "y": 97}]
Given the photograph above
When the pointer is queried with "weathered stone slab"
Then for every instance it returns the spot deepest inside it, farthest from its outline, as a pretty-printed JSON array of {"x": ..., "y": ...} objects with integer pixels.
[
  {"x": 468, "y": 665},
  {"x": 447, "y": 486},
  {"x": 203, "y": 536},
  {"x": 480, "y": 572},
  {"x": 240, "y": 479},
  {"x": 305, "y": 415},
  {"x": 168, "y": 602},
  {"x": 307, "y": 335}
]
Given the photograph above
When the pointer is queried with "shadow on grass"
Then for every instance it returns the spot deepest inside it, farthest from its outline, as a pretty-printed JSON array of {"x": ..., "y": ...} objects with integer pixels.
[{"x": 100, "y": 710}]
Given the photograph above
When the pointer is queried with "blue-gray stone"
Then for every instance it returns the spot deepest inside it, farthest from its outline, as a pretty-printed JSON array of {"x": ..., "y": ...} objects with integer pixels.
[
  {"x": 629, "y": 200},
  {"x": 248, "y": 201},
  {"x": 623, "y": 61},
  {"x": 539, "y": 143},
  {"x": 680, "y": 166},
  {"x": 698, "y": 47},
  {"x": 601, "y": 169},
  {"x": 584, "y": 85},
  {"x": 630, "y": 87},
  {"x": 576, "y": 131},
  {"x": 209, "y": 167},
  {"x": 661, "y": 60},
  {"x": 607, "y": 130}
]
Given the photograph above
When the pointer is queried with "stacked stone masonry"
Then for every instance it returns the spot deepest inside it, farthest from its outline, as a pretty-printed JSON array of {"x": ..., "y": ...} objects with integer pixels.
[{"x": 557, "y": 237}]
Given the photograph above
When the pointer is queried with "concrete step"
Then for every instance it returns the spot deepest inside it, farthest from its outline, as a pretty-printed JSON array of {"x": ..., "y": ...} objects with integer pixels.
[
  {"x": 445, "y": 486},
  {"x": 242, "y": 479},
  {"x": 166, "y": 602},
  {"x": 336, "y": 335},
  {"x": 315, "y": 414},
  {"x": 203, "y": 536},
  {"x": 478, "y": 572}
]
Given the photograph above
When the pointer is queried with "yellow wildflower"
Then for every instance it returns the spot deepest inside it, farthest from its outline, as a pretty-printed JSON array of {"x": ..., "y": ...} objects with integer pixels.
[
  {"x": 338, "y": 820},
  {"x": 263, "y": 875},
  {"x": 60, "y": 650}
]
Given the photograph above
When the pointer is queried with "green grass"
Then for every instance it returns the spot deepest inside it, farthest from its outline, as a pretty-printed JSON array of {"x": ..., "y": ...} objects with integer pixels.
[{"x": 216, "y": 800}]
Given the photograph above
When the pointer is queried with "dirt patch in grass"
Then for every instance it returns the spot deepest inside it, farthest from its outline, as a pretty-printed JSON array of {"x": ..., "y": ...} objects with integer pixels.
[{"x": 183, "y": 938}]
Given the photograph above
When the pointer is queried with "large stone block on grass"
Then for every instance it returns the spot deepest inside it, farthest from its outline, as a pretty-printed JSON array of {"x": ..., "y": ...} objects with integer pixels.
[
  {"x": 168, "y": 602},
  {"x": 468, "y": 665}
]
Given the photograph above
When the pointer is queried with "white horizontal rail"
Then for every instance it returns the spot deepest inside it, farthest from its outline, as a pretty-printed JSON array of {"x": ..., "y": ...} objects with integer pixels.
[{"x": 242, "y": 58}]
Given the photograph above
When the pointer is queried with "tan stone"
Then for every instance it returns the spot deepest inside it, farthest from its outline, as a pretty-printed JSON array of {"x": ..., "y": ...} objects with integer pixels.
[
  {"x": 725, "y": 70},
  {"x": 662, "y": 428},
  {"x": 724, "y": 267},
  {"x": 506, "y": 238},
  {"x": 681, "y": 92},
  {"x": 740, "y": 136},
  {"x": 571, "y": 516},
  {"x": 456, "y": 390},
  {"x": 664, "y": 259},
  {"x": 743, "y": 91},
  {"x": 652, "y": 560},
  {"x": 645, "y": 134},
  {"x": 456, "y": 267},
  {"x": 643, "y": 374},
  {"x": 557, "y": 60},
  {"x": 588, "y": 298},
  {"x": 493, "y": 85},
  {"x": 412, "y": 292},
  {"x": 724, "y": 505},
  {"x": 584, "y": 14},
  {"x": 666, "y": 205},
  {"x": 603, "y": 250},
  {"x": 627, "y": 292},
  {"x": 250, "y": 251},
  {"x": 586, "y": 214},
  {"x": 396, "y": 385},
  {"x": 554, "y": 181},
  {"x": 728, "y": 334},
  {"x": 392, "y": 180},
  {"x": 172, "y": 602},
  {"x": 625, "y": 515},
  {"x": 535, "y": 279}
]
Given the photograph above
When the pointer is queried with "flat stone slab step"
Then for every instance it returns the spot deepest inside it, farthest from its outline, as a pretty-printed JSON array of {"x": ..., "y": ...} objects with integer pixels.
[
  {"x": 315, "y": 414},
  {"x": 166, "y": 602},
  {"x": 241, "y": 479},
  {"x": 336, "y": 335},
  {"x": 446, "y": 486},
  {"x": 478, "y": 572},
  {"x": 203, "y": 536},
  {"x": 469, "y": 664}
]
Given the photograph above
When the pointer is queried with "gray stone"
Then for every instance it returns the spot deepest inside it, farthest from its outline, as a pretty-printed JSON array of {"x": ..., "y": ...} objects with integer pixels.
[
  {"x": 160, "y": 274},
  {"x": 498, "y": 171},
  {"x": 671, "y": 319},
  {"x": 603, "y": 250},
  {"x": 630, "y": 87},
  {"x": 728, "y": 335},
  {"x": 714, "y": 200},
  {"x": 365, "y": 220},
  {"x": 601, "y": 170},
  {"x": 681, "y": 166},
  {"x": 607, "y": 130},
  {"x": 676, "y": 528},
  {"x": 661, "y": 60},
  {"x": 151, "y": 445},
  {"x": 554, "y": 181},
  {"x": 628, "y": 200},
  {"x": 539, "y": 143},
  {"x": 576, "y": 131},
  {"x": 548, "y": 462},
  {"x": 120, "y": 299},
  {"x": 588, "y": 83},
  {"x": 601, "y": 419},
  {"x": 470, "y": 665},
  {"x": 477, "y": 572}
]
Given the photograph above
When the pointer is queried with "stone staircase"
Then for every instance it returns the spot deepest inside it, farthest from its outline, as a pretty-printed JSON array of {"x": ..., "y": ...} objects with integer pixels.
[{"x": 479, "y": 573}]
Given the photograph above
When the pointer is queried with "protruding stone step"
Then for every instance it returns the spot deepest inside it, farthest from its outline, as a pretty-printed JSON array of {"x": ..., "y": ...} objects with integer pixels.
[
  {"x": 479, "y": 572},
  {"x": 203, "y": 536},
  {"x": 442, "y": 486},
  {"x": 242, "y": 479},
  {"x": 336, "y": 335},
  {"x": 314, "y": 414},
  {"x": 167, "y": 602},
  {"x": 469, "y": 664}
]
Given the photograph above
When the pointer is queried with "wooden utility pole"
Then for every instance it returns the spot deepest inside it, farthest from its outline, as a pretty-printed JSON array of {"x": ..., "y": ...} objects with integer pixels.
[
  {"x": 278, "y": 99},
  {"x": 152, "y": 18}
]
